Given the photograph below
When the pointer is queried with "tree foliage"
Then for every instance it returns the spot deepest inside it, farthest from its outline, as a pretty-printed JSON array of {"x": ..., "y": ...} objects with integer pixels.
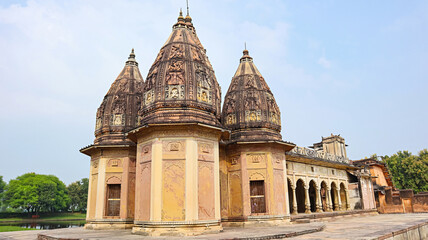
[
  {"x": 2, "y": 188},
  {"x": 409, "y": 171},
  {"x": 37, "y": 193},
  {"x": 78, "y": 193}
]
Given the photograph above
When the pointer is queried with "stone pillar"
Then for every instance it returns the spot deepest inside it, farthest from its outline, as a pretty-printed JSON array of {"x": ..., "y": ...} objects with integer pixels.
[
  {"x": 329, "y": 203},
  {"x": 318, "y": 200},
  {"x": 339, "y": 201},
  {"x": 307, "y": 202},
  {"x": 294, "y": 200},
  {"x": 348, "y": 205},
  {"x": 335, "y": 203}
]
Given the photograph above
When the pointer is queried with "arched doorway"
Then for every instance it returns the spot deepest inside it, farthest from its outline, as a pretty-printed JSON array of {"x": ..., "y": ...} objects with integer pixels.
[
  {"x": 343, "y": 197},
  {"x": 313, "y": 196},
  {"x": 290, "y": 196},
  {"x": 334, "y": 199},
  {"x": 300, "y": 196},
  {"x": 323, "y": 194}
]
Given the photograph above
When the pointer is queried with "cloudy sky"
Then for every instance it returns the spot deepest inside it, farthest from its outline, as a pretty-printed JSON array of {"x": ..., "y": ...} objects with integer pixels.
[{"x": 355, "y": 68}]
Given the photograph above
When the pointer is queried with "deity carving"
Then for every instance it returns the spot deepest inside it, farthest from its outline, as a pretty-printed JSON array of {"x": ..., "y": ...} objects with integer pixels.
[
  {"x": 117, "y": 120},
  {"x": 264, "y": 84},
  {"x": 118, "y": 104},
  {"x": 175, "y": 74},
  {"x": 176, "y": 51},
  {"x": 202, "y": 78},
  {"x": 253, "y": 116},
  {"x": 174, "y": 92},
  {"x": 274, "y": 118},
  {"x": 149, "y": 97},
  {"x": 231, "y": 119}
]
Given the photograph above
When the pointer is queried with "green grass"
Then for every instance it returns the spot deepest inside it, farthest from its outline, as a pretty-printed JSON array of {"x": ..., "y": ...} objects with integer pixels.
[
  {"x": 60, "y": 216},
  {"x": 14, "y": 228}
]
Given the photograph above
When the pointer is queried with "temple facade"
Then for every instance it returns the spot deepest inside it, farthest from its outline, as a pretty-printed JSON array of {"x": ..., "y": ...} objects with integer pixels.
[{"x": 168, "y": 160}]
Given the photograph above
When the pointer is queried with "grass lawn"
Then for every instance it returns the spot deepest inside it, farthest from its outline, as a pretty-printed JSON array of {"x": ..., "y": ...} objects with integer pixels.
[
  {"x": 14, "y": 228},
  {"x": 59, "y": 216}
]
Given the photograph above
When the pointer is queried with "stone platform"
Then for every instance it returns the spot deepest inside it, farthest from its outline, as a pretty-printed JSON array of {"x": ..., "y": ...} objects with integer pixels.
[{"x": 384, "y": 226}]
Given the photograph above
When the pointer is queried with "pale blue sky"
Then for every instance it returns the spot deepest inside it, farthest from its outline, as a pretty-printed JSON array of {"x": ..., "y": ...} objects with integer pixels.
[{"x": 355, "y": 68}]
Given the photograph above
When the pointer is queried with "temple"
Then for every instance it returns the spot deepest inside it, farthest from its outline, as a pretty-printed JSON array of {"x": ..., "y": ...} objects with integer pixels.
[{"x": 168, "y": 160}]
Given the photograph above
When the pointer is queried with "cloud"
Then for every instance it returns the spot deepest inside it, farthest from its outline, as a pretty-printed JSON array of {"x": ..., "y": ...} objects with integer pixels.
[{"x": 324, "y": 62}]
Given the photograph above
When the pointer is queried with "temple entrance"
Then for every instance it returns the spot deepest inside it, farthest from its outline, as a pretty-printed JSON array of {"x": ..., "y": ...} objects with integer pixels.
[
  {"x": 323, "y": 194},
  {"x": 290, "y": 196},
  {"x": 343, "y": 196},
  {"x": 300, "y": 196},
  {"x": 334, "y": 200},
  {"x": 313, "y": 196}
]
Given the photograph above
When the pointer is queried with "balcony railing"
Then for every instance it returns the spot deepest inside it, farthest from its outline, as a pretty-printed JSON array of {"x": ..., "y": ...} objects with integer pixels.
[{"x": 318, "y": 154}]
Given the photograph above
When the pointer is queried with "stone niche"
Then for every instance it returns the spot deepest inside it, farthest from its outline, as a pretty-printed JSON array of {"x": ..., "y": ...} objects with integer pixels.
[{"x": 177, "y": 182}]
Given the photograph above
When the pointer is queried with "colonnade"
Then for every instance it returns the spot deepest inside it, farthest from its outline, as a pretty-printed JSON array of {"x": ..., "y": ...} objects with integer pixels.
[{"x": 312, "y": 197}]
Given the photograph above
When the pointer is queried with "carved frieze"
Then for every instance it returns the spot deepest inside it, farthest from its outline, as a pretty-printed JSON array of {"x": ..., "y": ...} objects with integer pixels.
[
  {"x": 256, "y": 158},
  {"x": 195, "y": 54},
  {"x": 250, "y": 82},
  {"x": 252, "y": 101}
]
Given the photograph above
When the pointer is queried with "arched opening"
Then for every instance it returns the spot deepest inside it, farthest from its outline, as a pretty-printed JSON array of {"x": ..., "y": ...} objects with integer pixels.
[
  {"x": 334, "y": 199},
  {"x": 323, "y": 194},
  {"x": 313, "y": 196},
  {"x": 290, "y": 196},
  {"x": 343, "y": 197},
  {"x": 300, "y": 196}
]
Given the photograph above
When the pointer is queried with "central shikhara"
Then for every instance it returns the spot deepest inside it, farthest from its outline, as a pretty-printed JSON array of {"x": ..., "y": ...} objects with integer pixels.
[{"x": 167, "y": 161}]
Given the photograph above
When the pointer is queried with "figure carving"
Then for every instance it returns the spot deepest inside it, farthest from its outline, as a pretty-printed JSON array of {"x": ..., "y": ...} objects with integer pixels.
[
  {"x": 118, "y": 104},
  {"x": 175, "y": 73},
  {"x": 251, "y": 102},
  {"x": 202, "y": 78},
  {"x": 176, "y": 51},
  {"x": 230, "y": 107},
  {"x": 250, "y": 82}
]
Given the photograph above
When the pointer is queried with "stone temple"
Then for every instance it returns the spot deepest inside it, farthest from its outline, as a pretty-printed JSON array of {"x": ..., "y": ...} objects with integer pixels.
[{"x": 168, "y": 159}]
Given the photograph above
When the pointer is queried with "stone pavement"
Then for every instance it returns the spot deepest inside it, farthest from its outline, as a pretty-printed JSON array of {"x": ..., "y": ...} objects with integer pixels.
[{"x": 361, "y": 227}]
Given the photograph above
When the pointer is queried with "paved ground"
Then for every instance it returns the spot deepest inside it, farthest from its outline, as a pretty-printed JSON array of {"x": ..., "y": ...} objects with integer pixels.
[{"x": 361, "y": 227}]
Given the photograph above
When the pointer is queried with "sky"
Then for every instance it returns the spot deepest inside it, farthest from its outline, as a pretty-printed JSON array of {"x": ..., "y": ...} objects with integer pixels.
[{"x": 354, "y": 68}]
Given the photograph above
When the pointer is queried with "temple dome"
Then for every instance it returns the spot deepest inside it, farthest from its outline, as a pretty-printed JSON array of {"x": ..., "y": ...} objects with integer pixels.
[
  {"x": 117, "y": 113},
  {"x": 181, "y": 86},
  {"x": 250, "y": 110}
]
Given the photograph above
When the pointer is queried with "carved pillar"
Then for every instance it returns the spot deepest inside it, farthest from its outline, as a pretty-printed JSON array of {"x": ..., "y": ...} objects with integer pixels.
[
  {"x": 294, "y": 201},
  {"x": 339, "y": 201},
  {"x": 329, "y": 204},
  {"x": 348, "y": 205},
  {"x": 318, "y": 200},
  {"x": 307, "y": 202}
]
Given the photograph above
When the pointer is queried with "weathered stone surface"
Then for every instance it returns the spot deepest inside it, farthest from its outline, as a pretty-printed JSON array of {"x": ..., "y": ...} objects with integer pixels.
[{"x": 249, "y": 109}]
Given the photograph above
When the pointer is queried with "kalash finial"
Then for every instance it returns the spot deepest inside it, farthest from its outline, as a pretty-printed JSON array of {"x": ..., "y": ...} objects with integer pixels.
[
  {"x": 131, "y": 58},
  {"x": 180, "y": 16},
  {"x": 246, "y": 55}
]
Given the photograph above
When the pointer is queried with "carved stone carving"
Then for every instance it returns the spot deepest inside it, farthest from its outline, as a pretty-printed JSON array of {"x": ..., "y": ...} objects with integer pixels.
[
  {"x": 274, "y": 118},
  {"x": 175, "y": 73},
  {"x": 234, "y": 160},
  {"x": 253, "y": 116},
  {"x": 195, "y": 54},
  {"x": 231, "y": 119},
  {"x": 251, "y": 101},
  {"x": 256, "y": 157},
  {"x": 98, "y": 123},
  {"x": 117, "y": 120},
  {"x": 174, "y": 92},
  {"x": 250, "y": 82},
  {"x": 176, "y": 51},
  {"x": 149, "y": 97}
]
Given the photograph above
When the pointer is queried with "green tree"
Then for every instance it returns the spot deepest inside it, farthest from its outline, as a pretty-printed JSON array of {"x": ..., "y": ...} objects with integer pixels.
[
  {"x": 37, "y": 193},
  {"x": 409, "y": 171},
  {"x": 2, "y": 187},
  {"x": 78, "y": 193}
]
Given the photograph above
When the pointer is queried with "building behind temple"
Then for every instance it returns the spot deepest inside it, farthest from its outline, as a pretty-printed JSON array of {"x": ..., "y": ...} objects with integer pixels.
[{"x": 167, "y": 159}]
